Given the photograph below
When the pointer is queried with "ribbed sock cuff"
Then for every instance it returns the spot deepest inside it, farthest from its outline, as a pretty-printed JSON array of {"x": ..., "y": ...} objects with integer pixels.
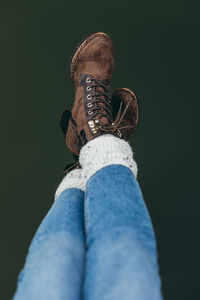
[
  {"x": 103, "y": 151},
  {"x": 74, "y": 179}
]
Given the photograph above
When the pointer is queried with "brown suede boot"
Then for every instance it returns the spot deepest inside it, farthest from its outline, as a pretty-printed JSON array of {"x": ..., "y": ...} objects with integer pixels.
[
  {"x": 125, "y": 112},
  {"x": 91, "y": 70}
]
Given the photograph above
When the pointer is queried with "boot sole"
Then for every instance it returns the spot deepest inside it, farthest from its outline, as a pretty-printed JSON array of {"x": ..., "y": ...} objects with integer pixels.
[{"x": 81, "y": 46}]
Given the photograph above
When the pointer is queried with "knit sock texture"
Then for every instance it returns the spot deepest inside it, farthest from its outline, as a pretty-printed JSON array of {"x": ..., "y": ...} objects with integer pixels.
[
  {"x": 103, "y": 151},
  {"x": 73, "y": 179}
]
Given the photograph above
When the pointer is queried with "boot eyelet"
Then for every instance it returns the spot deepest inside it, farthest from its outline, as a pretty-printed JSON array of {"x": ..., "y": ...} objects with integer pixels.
[
  {"x": 88, "y": 80},
  {"x": 89, "y": 97},
  {"x": 89, "y": 104},
  {"x": 88, "y": 88},
  {"x": 119, "y": 133},
  {"x": 90, "y": 112},
  {"x": 91, "y": 124}
]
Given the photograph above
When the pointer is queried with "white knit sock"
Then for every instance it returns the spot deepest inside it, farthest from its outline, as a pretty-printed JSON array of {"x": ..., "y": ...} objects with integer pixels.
[
  {"x": 73, "y": 179},
  {"x": 103, "y": 151}
]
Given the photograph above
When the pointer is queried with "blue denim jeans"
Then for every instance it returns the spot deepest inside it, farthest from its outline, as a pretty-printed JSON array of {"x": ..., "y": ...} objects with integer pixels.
[{"x": 103, "y": 250}]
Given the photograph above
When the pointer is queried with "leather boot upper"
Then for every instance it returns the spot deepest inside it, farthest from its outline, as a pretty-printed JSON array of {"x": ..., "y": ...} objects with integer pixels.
[{"x": 91, "y": 70}]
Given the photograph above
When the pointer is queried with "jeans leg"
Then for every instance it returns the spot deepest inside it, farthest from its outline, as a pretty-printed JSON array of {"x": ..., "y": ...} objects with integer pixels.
[
  {"x": 121, "y": 257},
  {"x": 55, "y": 262}
]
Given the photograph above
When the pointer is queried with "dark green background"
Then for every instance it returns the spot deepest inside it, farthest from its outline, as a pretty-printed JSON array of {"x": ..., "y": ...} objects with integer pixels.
[{"x": 157, "y": 55}]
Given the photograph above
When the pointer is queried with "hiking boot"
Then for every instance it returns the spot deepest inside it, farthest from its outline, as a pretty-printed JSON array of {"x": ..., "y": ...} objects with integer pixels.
[{"x": 91, "y": 71}]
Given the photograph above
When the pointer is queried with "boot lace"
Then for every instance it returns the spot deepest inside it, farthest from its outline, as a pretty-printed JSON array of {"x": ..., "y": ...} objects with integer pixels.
[
  {"x": 102, "y": 102},
  {"x": 105, "y": 110}
]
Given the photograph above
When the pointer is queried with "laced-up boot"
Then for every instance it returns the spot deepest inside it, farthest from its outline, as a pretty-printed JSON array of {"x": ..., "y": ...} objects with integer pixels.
[{"x": 91, "y": 70}]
